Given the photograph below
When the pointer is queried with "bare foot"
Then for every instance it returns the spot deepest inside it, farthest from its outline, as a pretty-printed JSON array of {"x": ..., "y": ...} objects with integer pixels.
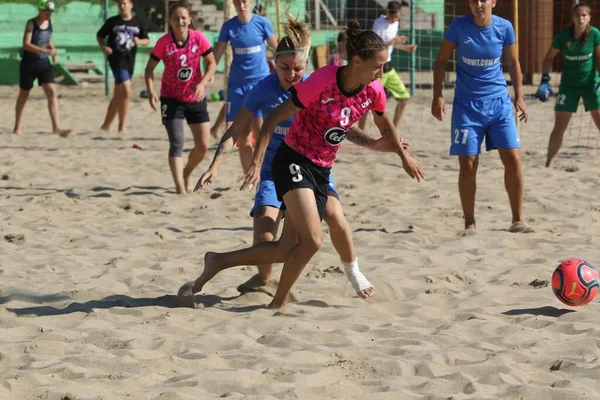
[
  {"x": 520, "y": 227},
  {"x": 282, "y": 308},
  {"x": 258, "y": 284},
  {"x": 122, "y": 132},
  {"x": 187, "y": 181},
  {"x": 185, "y": 296},
  {"x": 17, "y": 131},
  {"x": 359, "y": 282},
  {"x": 105, "y": 128},
  {"x": 209, "y": 272},
  {"x": 64, "y": 132}
]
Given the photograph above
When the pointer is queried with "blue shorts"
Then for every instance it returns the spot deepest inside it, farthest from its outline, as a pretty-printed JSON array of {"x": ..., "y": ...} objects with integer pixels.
[
  {"x": 474, "y": 120},
  {"x": 235, "y": 99},
  {"x": 121, "y": 75},
  {"x": 267, "y": 196}
]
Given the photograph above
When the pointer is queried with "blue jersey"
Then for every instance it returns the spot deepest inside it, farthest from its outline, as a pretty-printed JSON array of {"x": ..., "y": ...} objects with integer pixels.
[
  {"x": 264, "y": 97},
  {"x": 249, "y": 50},
  {"x": 478, "y": 56}
]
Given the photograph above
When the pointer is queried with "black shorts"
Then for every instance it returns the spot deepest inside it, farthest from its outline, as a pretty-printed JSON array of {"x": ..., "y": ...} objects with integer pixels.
[
  {"x": 29, "y": 72},
  {"x": 291, "y": 170},
  {"x": 194, "y": 113}
]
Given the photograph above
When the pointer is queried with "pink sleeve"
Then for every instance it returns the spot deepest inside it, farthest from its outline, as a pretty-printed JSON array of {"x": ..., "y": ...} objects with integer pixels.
[
  {"x": 204, "y": 43},
  {"x": 381, "y": 99},
  {"x": 308, "y": 91},
  {"x": 159, "y": 48}
]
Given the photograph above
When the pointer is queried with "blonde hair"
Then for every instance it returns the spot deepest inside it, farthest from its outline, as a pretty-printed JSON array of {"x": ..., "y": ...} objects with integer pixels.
[{"x": 297, "y": 37}]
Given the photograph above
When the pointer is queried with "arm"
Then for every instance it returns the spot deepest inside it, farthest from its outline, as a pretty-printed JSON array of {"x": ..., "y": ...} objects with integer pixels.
[
  {"x": 438, "y": 106},
  {"x": 211, "y": 68},
  {"x": 409, "y": 48},
  {"x": 272, "y": 43},
  {"x": 228, "y": 140},
  {"x": 412, "y": 167},
  {"x": 549, "y": 59},
  {"x": 105, "y": 49},
  {"x": 32, "y": 48},
  {"x": 219, "y": 50},
  {"x": 360, "y": 138},
  {"x": 53, "y": 50},
  {"x": 597, "y": 56},
  {"x": 141, "y": 41},
  {"x": 279, "y": 114},
  {"x": 149, "y": 79},
  {"x": 514, "y": 69}
]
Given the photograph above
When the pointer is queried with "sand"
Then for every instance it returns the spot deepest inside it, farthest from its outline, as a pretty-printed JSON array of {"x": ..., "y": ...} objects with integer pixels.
[{"x": 94, "y": 245}]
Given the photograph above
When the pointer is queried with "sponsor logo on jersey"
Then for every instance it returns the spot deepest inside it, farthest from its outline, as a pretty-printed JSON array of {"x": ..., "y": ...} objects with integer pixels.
[
  {"x": 481, "y": 62},
  {"x": 248, "y": 50},
  {"x": 335, "y": 136},
  {"x": 366, "y": 103},
  {"x": 281, "y": 130},
  {"x": 184, "y": 74},
  {"x": 329, "y": 100}
]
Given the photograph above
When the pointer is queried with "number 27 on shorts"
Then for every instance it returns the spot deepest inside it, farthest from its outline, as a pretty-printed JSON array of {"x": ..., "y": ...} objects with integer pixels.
[{"x": 461, "y": 136}]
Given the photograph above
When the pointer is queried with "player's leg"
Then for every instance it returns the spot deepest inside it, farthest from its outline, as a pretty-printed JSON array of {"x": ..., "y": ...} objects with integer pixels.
[
  {"x": 50, "y": 91},
  {"x": 114, "y": 104},
  {"x": 503, "y": 135},
  {"x": 259, "y": 254},
  {"x": 341, "y": 238},
  {"x": 217, "y": 128},
  {"x": 196, "y": 115},
  {"x": 567, "y": 102},
  {"x": 466, "y": 137},
  {"x": 235, "y": 101},
  {"x": 396, "y": 87},
  {"x": 26, "y": 79},
  {"x": 124, "y": 101},
  {"x": 172, "y": 119},
  {"x": 303, "y": 210},
  {"x": 19, "y": 107}
]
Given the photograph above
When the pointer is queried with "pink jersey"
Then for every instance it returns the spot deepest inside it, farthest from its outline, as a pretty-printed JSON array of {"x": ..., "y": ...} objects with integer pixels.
[
  {"x": 328, "y": 112},
  {"x": 182, "y": 65}
]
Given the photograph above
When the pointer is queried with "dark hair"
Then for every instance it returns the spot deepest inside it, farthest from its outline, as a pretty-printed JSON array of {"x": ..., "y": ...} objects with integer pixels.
[
  {"x": 393, "y": 6},
  {"x": 259, "y": 9},
  {"x": 342, "y": 37},
  {"x": 586, "y": 34},
  {"x": 364, "y": 44},
  {"x": 296, "y": 39},
  {"x": 185, "y": 5}
]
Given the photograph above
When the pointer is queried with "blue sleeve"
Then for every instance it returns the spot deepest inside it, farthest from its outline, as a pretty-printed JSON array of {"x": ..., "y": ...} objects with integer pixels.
[
  {"x": 509, "y": 36},
  {"x": 451, "y": 34},
  {"x": 254, "y": 101},
  {"x": 268, "y": 29},
  {"x": 224, "y": 34}
]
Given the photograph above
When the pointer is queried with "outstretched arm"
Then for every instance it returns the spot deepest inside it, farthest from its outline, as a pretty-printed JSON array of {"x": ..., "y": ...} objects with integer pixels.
[
  {"x": 279, "y": 114},
  {"x": 412, "y": 167},
  {"x": 360, "y": 138},
  {"x": 226, "y": 144}
]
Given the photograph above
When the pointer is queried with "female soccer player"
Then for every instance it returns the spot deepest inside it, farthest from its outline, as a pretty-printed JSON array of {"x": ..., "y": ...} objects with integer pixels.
[
  {"x": 183, "y": 91},
  {"x": 482, "y": 105},
  {"x": 125, "y": 33},
  {"x": 327, "y": 103},
  {"x": 290, "y": 64},
  {"x": 247, "y": 33},
  {"x": 579, "y": 46},
  {"x": 37, "y": 46}
]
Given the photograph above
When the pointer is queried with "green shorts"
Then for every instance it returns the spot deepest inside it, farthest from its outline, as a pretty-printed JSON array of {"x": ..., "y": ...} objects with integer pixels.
[
  {"x": 392, "y": 83},
  {"x": 567, "y": 99}
]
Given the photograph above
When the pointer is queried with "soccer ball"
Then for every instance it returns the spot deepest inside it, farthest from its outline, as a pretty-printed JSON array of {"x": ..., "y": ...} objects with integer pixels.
[{"x": 575, "y": 282}]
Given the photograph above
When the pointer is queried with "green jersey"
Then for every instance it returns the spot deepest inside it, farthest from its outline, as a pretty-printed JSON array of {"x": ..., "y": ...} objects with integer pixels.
[{"x": 579, "y": 61}]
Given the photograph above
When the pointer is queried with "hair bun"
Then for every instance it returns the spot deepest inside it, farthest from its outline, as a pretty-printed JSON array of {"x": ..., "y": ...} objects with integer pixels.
[{"x": 353, "y": 29}]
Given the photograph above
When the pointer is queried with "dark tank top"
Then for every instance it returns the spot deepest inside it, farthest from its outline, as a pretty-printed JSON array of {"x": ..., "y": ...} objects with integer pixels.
[{"x": 39, "y": 37}]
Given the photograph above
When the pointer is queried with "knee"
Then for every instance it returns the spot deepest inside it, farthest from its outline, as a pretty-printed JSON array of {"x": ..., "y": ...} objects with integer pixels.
[
  {"x": 176, "y": 138},
  {"x": 312, "y": 242},
  {"x": 335, "y": 220},
  {"x": 512, "y": 159},
  {"x": 176, "y": 147},
  {"x": 50, "y": 91},
  {"x": 403, "y": 102},
  {"x": 125, "y": 91},
  {"x": 264, "y": 237}
]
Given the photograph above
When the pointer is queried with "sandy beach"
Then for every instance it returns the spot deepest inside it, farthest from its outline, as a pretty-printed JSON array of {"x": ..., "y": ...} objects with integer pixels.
[{"x": 94, "y": 244}]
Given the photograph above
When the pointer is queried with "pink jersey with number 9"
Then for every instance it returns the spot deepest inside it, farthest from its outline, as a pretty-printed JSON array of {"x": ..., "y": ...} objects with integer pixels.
[
  {"x": 328, "y": 112},
  {"x": 182, "y": 64}
]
